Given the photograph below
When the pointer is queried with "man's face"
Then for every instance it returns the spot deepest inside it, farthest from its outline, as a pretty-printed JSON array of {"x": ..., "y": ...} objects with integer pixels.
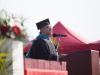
[{"x": 47, "y": 30}]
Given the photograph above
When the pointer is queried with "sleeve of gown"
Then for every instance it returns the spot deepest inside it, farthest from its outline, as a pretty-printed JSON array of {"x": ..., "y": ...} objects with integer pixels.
[{"x": 44, "y": 50}]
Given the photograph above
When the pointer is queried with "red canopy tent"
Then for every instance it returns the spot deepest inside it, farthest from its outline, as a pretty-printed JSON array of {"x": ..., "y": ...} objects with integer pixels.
[
  {"x": 95, "y": 46},
  {"x": 27, "y": 46},
  {"x": 72, "y": 42}
]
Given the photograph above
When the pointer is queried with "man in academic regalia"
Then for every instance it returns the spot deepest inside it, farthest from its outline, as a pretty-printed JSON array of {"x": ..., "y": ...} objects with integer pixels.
[{"x": 42, "y": 47}]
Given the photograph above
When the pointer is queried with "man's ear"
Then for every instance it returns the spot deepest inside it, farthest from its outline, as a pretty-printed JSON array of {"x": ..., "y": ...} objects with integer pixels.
[{"x": 41, "y": 30}]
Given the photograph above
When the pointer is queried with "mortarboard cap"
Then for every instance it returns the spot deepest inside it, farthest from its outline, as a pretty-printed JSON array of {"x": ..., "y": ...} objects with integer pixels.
[{"x": 42, "y": 23}]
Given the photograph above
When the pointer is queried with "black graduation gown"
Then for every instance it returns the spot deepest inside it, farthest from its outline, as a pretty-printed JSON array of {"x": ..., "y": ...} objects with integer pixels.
[{"x": 43, "y": 49}]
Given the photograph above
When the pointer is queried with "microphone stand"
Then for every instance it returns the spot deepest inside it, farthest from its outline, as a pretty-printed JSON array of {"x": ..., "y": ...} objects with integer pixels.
[{"x": 57, "y": 48}]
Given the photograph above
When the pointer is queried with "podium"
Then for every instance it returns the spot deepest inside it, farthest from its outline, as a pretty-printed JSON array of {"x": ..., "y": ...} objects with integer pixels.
[{"x": 82, "y": 62}]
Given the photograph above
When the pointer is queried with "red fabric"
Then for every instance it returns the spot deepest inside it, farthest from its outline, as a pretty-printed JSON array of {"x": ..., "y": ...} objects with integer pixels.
[
  {"x": 44, "y": 64},
  {"x": 30, "y": 63},
  {"x": 72, "y": 42},
  {"x": 28, "y": 45},
  {"x": 44, "y": 72},
  {"x": 95, "y": 46},
  {"x": 97, "y": 42}
]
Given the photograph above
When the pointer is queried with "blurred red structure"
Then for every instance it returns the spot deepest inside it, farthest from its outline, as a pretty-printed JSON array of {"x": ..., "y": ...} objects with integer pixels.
[{"x": 27, "y": 46}]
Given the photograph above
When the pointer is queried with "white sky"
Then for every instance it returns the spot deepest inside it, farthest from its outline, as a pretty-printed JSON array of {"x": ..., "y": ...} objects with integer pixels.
[{"x": 81, "y": 16}]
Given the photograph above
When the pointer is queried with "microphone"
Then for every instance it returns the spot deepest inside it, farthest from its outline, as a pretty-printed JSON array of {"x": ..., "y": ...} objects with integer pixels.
[{"x": 59, "y": 35}]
